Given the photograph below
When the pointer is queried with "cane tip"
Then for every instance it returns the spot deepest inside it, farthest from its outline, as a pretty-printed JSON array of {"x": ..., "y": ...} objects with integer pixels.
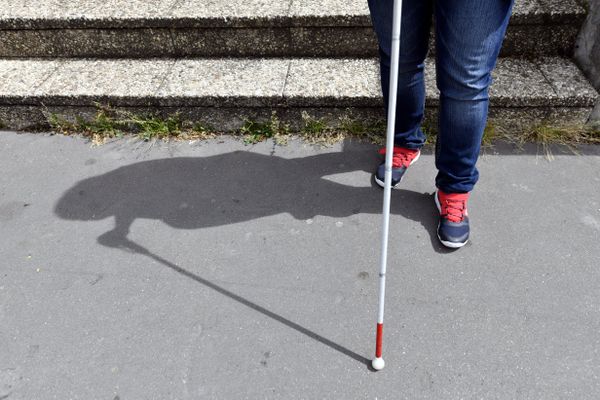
[{"x": 378, "y": 363}]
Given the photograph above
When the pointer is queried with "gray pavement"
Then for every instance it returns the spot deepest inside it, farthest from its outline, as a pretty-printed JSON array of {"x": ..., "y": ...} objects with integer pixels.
[{"x": 215, "y": 270}]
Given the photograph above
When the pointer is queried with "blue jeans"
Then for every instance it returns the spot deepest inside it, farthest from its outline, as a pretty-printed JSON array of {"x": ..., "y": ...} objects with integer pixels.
[{"x": 468, "y": 35}]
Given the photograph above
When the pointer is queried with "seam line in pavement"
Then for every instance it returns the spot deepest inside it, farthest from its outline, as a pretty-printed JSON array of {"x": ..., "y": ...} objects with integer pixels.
[
  {"x": 168, "y": 71},
  {"x": 60, "y": 64},
  {"x": 285, "y": 81},
  {"x": 539, "y": 68}
]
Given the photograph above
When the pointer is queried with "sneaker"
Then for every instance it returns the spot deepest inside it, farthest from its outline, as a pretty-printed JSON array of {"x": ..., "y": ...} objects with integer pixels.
[
  {"x": 402, "y": 159},
  {"x": 453, "y": 229}
]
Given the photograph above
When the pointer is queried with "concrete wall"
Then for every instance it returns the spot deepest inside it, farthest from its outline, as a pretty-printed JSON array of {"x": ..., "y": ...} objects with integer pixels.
[{"x": 587, "y": 50}]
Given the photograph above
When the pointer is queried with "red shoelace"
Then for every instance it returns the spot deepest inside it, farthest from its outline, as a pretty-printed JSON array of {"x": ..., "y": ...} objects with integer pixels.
[
  {"x": 402, "y": 156},
  {"x": 453, "y": 206}
]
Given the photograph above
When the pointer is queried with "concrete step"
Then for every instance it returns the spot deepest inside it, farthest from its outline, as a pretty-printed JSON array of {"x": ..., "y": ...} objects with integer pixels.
[
  {"x": 224, "y": 92},
  {"x": 241, "y": 28}
]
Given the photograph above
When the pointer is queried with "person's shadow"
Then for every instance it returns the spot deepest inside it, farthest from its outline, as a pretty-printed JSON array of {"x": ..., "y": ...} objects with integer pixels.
[{"x": 195, "y": 192}]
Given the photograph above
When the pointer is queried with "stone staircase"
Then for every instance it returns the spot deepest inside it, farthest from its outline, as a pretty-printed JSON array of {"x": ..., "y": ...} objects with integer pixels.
[{"x": 221, "y": 62}]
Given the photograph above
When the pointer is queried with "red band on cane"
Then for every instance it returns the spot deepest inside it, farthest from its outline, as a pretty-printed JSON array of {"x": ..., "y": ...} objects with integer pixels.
[{"x": 379, "y": 340}]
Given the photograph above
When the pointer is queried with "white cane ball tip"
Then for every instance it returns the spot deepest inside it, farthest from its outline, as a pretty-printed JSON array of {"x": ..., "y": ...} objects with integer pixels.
[{"x": 378, "y": 364}]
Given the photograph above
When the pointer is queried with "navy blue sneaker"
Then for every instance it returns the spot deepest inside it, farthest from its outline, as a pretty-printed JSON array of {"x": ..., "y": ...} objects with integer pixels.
[
  {"x": 402, "y": 159},
  {"x": 453, "y": 229}
]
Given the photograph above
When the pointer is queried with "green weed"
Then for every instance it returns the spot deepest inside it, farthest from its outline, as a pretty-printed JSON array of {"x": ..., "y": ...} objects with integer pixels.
[
  {"x": 546, "y": 135},
  {"x": 489, "y": 135},
  {"x": 313, "y": 126},
  {"x": 108, "y": 122},
  {"x": 155, "y": 127},
  {"x": 430, "y": 130},
  {"x": 255, "y": 132}
]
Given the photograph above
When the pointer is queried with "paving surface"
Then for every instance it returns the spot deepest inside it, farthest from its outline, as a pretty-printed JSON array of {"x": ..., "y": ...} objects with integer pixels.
[
  {"x": 225, "y": 92},
  {"x": 216, "y": 270},
  {"x": 27, "y": 13},
  {"x": 256, "y": 82}
]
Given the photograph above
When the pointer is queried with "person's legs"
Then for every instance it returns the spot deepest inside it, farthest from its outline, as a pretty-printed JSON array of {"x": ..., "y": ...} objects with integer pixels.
[
  {"x": 469, "y": 35},
  {"x": 414, "y": 38}
]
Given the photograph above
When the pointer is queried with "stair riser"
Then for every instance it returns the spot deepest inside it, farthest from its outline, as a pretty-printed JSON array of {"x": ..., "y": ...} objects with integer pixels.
[
  {"x": 521, "y": 40},
  {"x": 275, "y": 102},
  {"x": 504, "y": 120}
]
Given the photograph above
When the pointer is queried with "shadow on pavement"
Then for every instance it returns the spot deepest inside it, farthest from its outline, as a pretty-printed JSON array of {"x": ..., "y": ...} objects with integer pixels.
[{"x": 195, "y": 193}]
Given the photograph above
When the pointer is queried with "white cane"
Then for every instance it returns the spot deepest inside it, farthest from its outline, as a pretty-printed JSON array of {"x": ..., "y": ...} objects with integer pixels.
[{"x": 378, "y": 362}]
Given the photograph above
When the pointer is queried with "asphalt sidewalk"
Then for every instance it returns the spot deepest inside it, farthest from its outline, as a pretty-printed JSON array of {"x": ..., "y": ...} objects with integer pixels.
[{"x": 220, "y": 270}]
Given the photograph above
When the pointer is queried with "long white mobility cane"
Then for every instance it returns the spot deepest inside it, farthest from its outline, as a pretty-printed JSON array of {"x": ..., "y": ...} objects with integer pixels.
[{"x": 378, "y": 362}]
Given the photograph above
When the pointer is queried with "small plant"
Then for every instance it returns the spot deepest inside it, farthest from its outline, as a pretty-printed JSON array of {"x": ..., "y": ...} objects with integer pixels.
[
  {"x": 199, "y": 131},
  {"x": 489, "y": 135},
  {"x": 60, "y": 124},
  {"x": 313, "y": 126},
  {"x": 103, "y": 124},
  {"x": 372, "y": 131},
  {"x": 546, "y": 135},
  {"x": 2, "y": 124},
  {"x": 202, "y": 129},
  {"x": 316, "y": 131},
  {"x": 109, "y": 123},
  {"x": 574, "y": 134},
  {"x": 430, "y": 130},
  {"x": 353, "y": 126},
  {"x": 281, "y": 130},
  {"x": 155, "y": 127},
  {"x": 255, "y": 132}
]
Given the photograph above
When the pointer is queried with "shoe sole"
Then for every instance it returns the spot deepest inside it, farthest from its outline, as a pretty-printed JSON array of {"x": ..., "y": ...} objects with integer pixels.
[
  {"x": 451, "y": 245},
  {"x": 382, "y": 183}
]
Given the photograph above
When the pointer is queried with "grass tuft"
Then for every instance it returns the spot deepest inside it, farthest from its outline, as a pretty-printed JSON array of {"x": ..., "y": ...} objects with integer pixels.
[
  {"x": 154, "y": 127},
  {"x": 109, "y": 123},
  {"x": 318, "y": 131},
  {"x": 313, "y": 126},
  {"x": 570, "y": 136},
  {"x": 255, "y": 132},
  {"x": 430, "y": 130},
  {"x": 489, "y": 135},
  {"x": 372, "y": 131},
  {"x": 201, "y": 128}
]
